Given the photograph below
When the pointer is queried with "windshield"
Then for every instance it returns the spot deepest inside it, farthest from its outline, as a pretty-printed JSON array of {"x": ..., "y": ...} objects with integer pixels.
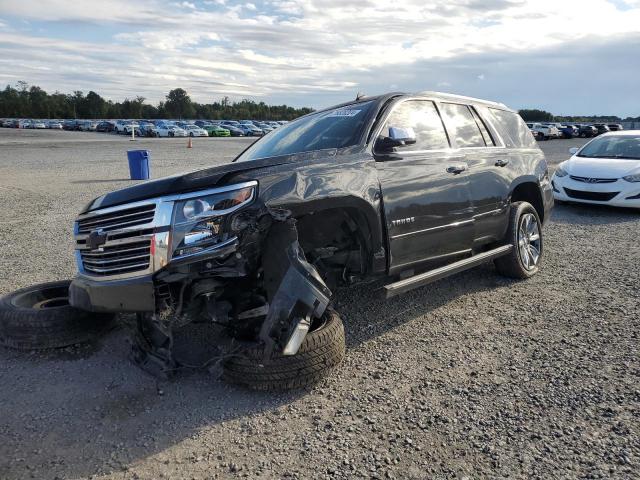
[
  {"x": 615, "y": 146},
  {"x": 330, "y": 129}
]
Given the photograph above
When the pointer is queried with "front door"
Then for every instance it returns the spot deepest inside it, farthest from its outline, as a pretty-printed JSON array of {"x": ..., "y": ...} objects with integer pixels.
[{"x": 425, "y": 189}]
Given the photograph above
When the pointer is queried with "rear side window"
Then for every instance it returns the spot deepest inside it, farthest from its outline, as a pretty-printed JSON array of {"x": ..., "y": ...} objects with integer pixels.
[
  {"x": 488, "y": 139},
  {"x": 423, "y": 118},
  {"x": 515, "y": 131},
  {"x": 462, "y": 125}
]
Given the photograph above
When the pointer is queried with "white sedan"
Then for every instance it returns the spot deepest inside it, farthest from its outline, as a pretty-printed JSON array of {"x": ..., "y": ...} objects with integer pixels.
[
  {"x": 196, "y": 131},
  {"x": 171, "y": 131},
  {"x": 605, "y": 171}
]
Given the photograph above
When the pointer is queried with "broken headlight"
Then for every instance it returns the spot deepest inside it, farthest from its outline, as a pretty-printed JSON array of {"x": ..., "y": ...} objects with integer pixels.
[{"x": 201, "y": 221}]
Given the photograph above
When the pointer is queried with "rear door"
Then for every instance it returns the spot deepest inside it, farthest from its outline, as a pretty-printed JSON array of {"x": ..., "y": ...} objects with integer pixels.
[
  {"x": 488, "y": 169},
  {"x": 425, "y": 189}
]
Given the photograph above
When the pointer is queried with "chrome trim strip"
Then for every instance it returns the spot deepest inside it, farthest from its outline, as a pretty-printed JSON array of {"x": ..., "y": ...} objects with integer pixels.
[
  {"x": 93, "y": 261},
  {"x": 434, "y": 229},
  {"x": 490, "y": 212},
  {"x": 126, "y": 267},
  {"x": 135, "y": 214},
  {"x": 430, "y": 276},
  {"x": 115, "y": 243},
  {"x": 117, "y": 208}
]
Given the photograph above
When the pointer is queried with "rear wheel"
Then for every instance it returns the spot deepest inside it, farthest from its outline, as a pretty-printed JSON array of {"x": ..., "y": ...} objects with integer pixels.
[
  {"x": 525, "y": 234},
  {"x": 40, "y": 317},
  {"x": 322, "y": 350}
]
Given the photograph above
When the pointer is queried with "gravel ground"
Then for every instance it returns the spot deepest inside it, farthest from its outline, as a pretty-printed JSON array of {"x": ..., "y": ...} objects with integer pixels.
[{"x": 475, "y": 376}]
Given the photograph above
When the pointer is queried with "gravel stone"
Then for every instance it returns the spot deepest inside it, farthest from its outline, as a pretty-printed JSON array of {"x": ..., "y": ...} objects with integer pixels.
[{"x": 475, "y": 376}]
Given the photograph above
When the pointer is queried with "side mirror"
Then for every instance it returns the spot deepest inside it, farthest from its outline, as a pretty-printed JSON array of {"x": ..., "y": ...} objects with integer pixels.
[
  {"x": 573, "y": 150},
  {"x": 398, "y": 137}
]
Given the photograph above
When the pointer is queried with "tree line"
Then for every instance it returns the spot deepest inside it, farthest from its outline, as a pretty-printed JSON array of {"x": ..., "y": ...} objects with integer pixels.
[
  {"x": 24, "y": 101},
  {"x": 534, "y": 115}
]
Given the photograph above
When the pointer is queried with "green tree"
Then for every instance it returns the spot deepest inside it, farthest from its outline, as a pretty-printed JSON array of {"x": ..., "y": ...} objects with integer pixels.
[
  {"x": 94, "y": 105},
  {"x": 179, "y": 104},
  {"x": 534, "y": 115}
]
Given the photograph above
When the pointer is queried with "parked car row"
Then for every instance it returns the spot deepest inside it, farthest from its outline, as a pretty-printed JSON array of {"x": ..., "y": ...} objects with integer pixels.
[
  {"x": 155, "y": 128},
  {"x": 547, "y": 131}
]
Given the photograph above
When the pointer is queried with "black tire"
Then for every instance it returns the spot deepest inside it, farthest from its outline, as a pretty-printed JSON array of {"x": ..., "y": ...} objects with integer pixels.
[
  {"x": 40, "y": 317},
  {"x": 513, "y": 265},
  {"x": 322, "y": 350}
]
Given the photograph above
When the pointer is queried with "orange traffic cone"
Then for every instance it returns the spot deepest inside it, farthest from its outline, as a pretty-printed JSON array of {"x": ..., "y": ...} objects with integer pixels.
[{"x": 190, "y": 144}]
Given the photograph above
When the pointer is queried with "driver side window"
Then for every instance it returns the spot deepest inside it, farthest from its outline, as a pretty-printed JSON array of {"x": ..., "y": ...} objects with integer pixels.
[{"x": 421, "y": 117}]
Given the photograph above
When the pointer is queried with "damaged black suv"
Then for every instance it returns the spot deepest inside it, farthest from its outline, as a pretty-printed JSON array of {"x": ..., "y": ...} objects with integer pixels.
[{"x": 412, "y": 187}]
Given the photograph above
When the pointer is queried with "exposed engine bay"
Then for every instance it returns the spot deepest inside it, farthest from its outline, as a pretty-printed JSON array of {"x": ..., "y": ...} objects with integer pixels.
[{"x": 259, "y": 287}]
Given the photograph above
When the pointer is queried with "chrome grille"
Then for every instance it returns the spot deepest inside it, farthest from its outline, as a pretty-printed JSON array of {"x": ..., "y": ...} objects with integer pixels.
[
  {"x": 118, "y": 259},
  {"x": 126, "y": 218},
  {"x": 593, "y": 180}
]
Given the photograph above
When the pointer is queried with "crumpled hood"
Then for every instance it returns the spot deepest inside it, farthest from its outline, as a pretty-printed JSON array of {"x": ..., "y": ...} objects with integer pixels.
[
  {"x": 181, "y": 183},
  {"x": 600, "y": 167}
]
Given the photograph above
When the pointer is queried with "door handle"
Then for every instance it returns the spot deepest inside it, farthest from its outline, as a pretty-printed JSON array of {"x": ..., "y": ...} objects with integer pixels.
[
  {"x": 456, "y": 169},
  {"x": 502, "y": 162}
]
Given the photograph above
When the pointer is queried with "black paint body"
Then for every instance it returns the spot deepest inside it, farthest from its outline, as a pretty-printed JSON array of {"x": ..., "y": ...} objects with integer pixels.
[{"x": 414, "y": 209}]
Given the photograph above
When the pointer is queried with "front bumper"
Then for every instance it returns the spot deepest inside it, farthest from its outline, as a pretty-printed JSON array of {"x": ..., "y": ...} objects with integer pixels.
[
  {"x": 121, "y": 250},
  {"x": 622, "y": 193},
  {"x": 127, "y": 295}
]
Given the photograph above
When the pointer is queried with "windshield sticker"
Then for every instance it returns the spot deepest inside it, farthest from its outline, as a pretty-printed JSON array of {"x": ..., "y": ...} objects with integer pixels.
[{"x": 344, "y": 113}]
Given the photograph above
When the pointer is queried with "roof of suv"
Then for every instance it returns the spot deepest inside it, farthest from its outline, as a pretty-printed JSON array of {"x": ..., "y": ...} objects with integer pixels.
[
  {"x": 432, "y": 95},
  {"x": 462, "y": 98}
]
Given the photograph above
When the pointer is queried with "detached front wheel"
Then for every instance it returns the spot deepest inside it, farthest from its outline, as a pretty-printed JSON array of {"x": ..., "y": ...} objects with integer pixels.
[
  {"x": 40, "y": 317},
  {"x": 322, "y": 350},
  {"x": 525, "y": 234}
]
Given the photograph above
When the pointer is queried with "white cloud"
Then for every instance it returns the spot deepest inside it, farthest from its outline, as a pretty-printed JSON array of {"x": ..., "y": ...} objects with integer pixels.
[{"x": 291, "y": 46}]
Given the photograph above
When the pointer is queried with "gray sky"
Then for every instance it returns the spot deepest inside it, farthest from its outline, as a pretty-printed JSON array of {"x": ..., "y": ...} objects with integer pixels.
[{"x": 569, "y": 57}]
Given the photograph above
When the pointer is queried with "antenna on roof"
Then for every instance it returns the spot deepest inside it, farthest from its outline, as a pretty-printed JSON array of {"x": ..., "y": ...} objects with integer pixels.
[{"x": 359, "y": 95}]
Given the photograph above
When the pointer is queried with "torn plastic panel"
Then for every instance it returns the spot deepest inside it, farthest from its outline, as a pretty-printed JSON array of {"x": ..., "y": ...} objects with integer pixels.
[
  {"x": 295, "y": 291},
  {"x": 259, "y": 284}
]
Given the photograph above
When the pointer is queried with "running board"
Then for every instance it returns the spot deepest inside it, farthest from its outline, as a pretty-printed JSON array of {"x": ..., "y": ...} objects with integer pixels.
[{"x": 425, "y": 278}]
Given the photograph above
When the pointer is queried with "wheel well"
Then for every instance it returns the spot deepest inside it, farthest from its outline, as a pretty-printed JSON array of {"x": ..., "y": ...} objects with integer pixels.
[
  {"x": 336, "y": 239},
  {"x": 529, "y": 192}
]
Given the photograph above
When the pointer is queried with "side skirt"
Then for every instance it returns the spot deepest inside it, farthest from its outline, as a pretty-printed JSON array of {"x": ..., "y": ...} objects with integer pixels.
[{"x": 425, "y": 278}]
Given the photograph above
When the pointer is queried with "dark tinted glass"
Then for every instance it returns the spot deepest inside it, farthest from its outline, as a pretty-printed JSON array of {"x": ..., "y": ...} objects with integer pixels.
[
  {"x": 422, "y": 117},
  {"x": 337, "y": 128},
  {"x": 515, "y": 132},
  {"x": 462, "y": 126},
  {"x": 488, "y": 139}
]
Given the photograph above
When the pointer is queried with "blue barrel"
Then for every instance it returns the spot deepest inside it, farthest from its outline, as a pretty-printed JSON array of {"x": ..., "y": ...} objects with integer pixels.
[{"x": 138, "y": 164}]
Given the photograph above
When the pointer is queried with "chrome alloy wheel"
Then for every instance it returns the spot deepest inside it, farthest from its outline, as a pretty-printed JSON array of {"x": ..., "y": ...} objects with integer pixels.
[{"x": 529, "y": 242}]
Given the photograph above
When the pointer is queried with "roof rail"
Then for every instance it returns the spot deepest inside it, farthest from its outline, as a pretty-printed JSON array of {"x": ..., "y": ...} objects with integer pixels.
[{"x": 451, "y": 96}]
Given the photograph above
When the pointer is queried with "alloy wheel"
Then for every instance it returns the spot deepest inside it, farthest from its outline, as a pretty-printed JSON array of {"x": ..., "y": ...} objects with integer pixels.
[{"x": 529, "y": 241}]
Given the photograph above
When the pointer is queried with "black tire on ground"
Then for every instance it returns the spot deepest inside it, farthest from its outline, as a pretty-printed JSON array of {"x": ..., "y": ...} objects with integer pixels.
[
  {"x": 512, "y": 265},
  {"x": 40, "y": 317},
  {"x": 322, "y": 349}
]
